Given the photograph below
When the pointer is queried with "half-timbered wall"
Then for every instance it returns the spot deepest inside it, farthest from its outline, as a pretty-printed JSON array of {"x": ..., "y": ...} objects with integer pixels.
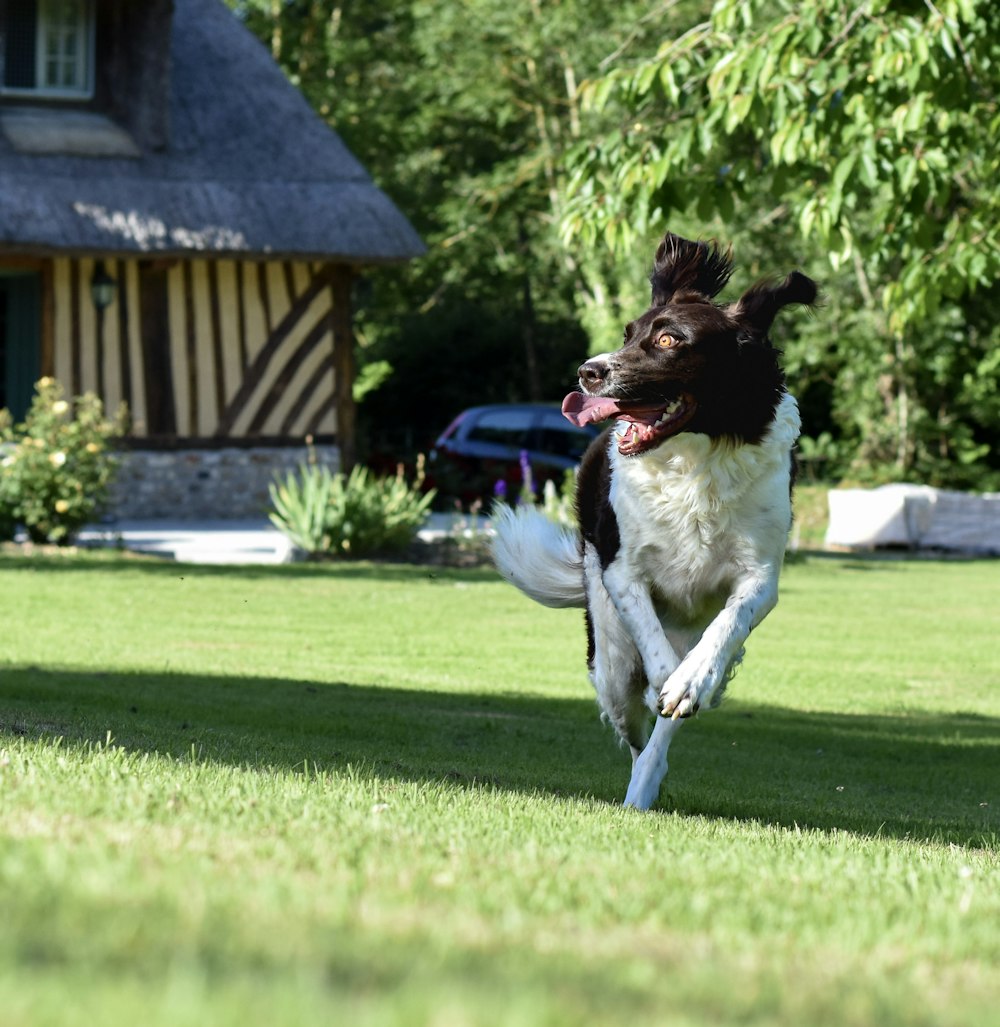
[{"x": 206, "y": 349}]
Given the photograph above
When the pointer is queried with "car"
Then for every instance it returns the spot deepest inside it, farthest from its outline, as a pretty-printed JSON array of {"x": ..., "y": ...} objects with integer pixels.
[{"x": 488, "y": 444}]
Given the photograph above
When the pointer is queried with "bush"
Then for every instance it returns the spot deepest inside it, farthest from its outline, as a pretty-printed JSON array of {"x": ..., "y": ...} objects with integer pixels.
[
  {"x": 327, "y": 514},
  {"x": 57, "y": 465}
]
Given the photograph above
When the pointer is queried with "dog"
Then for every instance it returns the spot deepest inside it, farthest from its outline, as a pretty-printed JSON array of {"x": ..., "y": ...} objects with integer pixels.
[{"x": 683, "y": 505}]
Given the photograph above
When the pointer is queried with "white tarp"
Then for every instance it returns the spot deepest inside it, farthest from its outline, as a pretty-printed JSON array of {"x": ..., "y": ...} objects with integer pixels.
[{"x": 914, "y": 515}]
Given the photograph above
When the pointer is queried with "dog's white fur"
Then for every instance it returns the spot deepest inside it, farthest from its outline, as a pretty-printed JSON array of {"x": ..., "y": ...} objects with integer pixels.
[{"x": 703, "y": 524}]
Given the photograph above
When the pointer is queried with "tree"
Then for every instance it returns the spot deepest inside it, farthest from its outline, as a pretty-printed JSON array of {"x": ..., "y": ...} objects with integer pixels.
[
  {"x": 464, "y": 113},
  {"x": 868, "y": 134}
]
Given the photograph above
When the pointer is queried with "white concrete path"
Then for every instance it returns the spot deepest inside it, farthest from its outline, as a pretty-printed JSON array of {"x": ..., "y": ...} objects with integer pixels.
[{"x": 254, "y": 541}]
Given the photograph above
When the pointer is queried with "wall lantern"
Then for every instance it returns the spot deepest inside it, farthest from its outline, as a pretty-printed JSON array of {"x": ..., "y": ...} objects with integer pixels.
[{"x": 102, "y": 287}]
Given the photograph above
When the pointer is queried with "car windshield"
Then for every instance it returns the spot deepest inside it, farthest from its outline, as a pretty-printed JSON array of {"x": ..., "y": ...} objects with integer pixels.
[
  {"x": 503, "y": 427},
  {"x": 557, "y": 436}
]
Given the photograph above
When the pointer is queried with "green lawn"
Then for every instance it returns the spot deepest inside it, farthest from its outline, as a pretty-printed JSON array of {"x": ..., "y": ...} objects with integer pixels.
[{"x": 382, "y": 795}]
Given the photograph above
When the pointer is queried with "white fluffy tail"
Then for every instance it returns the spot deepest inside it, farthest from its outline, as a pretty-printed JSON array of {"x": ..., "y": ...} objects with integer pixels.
[{"x": 538, "y": 556}]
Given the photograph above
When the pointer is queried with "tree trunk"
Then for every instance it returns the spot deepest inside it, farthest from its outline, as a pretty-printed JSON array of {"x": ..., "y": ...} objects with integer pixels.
[{"x": 528, "y": 338}]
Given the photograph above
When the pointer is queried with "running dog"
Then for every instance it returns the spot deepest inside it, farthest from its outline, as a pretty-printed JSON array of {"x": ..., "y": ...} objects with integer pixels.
[{"x": 684, "y": 504}]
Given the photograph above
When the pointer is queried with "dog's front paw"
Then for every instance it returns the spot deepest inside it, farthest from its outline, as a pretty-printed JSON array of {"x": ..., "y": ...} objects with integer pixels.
[
  {"x": 685, "y": 706},
  {"x": 679, "y": 697}
]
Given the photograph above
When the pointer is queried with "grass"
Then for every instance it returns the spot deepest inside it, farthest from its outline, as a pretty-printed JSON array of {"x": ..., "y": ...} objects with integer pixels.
[
  {"x": 381, "y": 795},
  {"x": 811, "y": 515}
]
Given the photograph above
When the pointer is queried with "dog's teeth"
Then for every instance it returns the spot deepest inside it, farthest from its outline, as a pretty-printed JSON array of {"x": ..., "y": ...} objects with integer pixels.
[{"x": 668, "y": 413}]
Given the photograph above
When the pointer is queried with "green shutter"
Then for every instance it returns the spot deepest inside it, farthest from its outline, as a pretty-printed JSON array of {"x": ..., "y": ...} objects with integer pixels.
[{"x": 20, "y": 309}]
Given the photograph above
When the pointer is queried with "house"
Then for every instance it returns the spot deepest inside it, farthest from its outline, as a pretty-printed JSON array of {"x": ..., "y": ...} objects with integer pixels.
[{"x": 179, "y": 231}]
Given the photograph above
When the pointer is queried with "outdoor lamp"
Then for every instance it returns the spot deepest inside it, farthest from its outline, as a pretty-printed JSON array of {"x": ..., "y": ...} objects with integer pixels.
[{"x": 102, "y": 287}]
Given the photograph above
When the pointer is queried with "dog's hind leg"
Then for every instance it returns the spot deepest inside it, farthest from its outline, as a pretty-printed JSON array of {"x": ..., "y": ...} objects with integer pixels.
[
  {"x": 650, "y": 766},
  {"x": 615, "y": 667},
  {"x": 617, "y": 677}
]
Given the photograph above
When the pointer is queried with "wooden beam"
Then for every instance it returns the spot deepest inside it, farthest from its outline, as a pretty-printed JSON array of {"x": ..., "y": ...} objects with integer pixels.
[
  {"x": 343, "y": 365},
  {"x": 260, "y": 364},
  {"x": 47, "y": 335},
  {"x": 161, "y": 417}
]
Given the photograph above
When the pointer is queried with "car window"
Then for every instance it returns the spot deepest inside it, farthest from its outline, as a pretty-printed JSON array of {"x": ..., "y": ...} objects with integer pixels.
[
  {"x": 557, "y": 436},
  {"x": 502, "y": 427}
]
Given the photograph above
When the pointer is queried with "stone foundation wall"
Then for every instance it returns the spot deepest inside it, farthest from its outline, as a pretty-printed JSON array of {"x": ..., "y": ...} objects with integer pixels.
[{"x": 211, "y": 484}]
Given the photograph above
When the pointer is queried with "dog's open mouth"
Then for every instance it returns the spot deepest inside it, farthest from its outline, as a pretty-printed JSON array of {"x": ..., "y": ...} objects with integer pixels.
[{"x": 641, "y": 426}]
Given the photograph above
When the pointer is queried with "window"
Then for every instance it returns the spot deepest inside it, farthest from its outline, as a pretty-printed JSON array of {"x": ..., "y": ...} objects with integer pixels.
[
  {"x": 503, "y": 428},
  {"x": 559, "y": 437},
  {"x": 47, "y": 48}
]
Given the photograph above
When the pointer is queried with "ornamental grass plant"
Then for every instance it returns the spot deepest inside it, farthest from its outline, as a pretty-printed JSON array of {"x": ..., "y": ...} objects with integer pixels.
[{"x": 357, "y": 515}]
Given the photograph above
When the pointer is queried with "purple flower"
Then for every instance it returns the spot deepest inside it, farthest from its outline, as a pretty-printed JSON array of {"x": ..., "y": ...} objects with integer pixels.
[
  {"x": 527, "y": 482},
  {"x": 500, "y": 488}
]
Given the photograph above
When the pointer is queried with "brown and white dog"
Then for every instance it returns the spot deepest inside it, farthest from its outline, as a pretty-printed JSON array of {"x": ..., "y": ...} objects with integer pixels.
[{"x": 684, "y": 506}]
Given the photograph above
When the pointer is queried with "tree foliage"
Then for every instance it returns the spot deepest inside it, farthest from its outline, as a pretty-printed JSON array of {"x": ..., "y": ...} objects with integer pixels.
[
  {"x": 866, "y": 135},
  {"x": 540, "y": 147},
  {"x": 463, "y": 113}
]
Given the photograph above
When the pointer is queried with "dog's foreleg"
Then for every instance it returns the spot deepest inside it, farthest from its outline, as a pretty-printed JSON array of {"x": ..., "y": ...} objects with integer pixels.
[
  {"x": 698, "y": 677},
  {"x": 650, "y": 766},
  {"x": 635, "y": 607}
]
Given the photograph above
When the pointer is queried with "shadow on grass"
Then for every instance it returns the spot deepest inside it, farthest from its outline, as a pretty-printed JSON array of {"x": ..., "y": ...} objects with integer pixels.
[
  {"x": 52, "y": 559},
  {"x": 921, "y": 777},
  {"x": 113, "y": 561},
  {"x": 884, "y": 558}
]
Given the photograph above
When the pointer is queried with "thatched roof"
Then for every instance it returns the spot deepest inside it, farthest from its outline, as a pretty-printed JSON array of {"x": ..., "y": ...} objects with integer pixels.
[{"x": 248, "y": 168}]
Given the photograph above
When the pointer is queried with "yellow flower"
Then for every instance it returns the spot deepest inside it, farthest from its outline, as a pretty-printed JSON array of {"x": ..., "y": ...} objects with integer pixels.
[
  {"x": 62, "y": 505},
  {"x": 60, "y": 407},
  {"x": 46, "y": 383},
  {"x": 93, "y": 447},
  {"x": 57, "y": 459}
]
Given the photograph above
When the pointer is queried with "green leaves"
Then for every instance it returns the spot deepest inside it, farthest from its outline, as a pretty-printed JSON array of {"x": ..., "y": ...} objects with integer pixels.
[
  {"x": 867, "y": 107},
  {"x": 359, "y": 515},
  {"x": 874, "y": 126}
]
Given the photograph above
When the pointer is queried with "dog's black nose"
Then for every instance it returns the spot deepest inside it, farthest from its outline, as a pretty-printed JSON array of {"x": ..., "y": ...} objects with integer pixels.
[{"x": 593, "y": 372}]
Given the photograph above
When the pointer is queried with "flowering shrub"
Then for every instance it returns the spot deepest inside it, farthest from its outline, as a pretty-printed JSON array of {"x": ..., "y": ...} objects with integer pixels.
[{"x": 56, "y": 466}]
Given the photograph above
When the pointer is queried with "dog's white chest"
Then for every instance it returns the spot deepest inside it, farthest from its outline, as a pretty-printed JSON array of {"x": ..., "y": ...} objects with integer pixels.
[{"x": 694, "y": 516}]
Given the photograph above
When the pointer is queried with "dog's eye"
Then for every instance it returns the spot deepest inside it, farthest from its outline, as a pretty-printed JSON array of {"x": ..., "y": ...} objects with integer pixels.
[{"x": 665, "y": 341}]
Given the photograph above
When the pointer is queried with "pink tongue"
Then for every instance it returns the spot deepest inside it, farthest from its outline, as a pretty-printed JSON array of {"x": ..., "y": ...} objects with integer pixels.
[{"x": 579, "y": 409}]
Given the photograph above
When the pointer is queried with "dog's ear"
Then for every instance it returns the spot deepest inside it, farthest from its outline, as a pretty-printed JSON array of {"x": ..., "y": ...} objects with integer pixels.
[
  {"x": 690, "y": 267},
  {"x": 757, "y": 308}
]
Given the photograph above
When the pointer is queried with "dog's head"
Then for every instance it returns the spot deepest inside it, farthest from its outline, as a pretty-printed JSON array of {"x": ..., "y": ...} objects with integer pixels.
[{"x": 687, "y": 363}]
